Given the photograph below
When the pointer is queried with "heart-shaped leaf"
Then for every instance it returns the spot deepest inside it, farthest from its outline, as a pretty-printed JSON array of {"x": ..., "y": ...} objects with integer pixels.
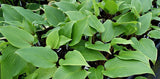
[
  {"x": 133, "y": 55},
  {"x": 70, "y": 72},
  {"x": 154, "y": 34},
  {"x": 74, "y": 58},
  {"x": 122, "y": 68},
  {"x": 147, "y": 47},
  {"x": 88, "y": 54}
]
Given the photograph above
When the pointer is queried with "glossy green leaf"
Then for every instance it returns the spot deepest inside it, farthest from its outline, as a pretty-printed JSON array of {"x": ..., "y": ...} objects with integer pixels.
[
  {"x": 53, "y": 38},
  {"x": 121, "y": 68},
  {"x": 108, "y": 34},
  {"x": 66, "y": 6},
  {"x": 98, "y": 46},
  {"x": 147, "y": 47},
  {"x": 137, "y": 4},
  {"x": 120, "y": 41},
  {"x": 39, "y": 56},
  {"x": 154, "y": 34},
  {"x": 17, "y": 37},
  {"x": 78, "y": 30},
  {"x": 145, "y": 21},
  {"x": 8, "y": 12},
  {"x": 88, "y": 54},
  {"x": 95, "y": 23},
  {"x": 42, "y": 73},
  {"x": 111, "y": 6},
  {"x": 11, "y": 64},
  {"x": 96, "y": 73},
  {"x": 133, "y": 55},
  {"x": 53, "y": 15},
  {"x": 73, "y": 15},
  {"x": 74, "y": 58},
  {"x": 70, "y": 72}
]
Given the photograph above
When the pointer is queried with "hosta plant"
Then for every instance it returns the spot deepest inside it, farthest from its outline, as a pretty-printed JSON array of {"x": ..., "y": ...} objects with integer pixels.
[{"x": 79, "y": 39}]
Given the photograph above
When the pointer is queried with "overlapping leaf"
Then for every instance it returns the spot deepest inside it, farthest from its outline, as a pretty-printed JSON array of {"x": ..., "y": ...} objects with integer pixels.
[{"x": 39, "y": 56}]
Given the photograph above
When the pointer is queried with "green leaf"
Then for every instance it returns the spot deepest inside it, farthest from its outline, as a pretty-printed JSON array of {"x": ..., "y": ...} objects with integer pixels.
[
  {"x": 147, "y": 47},
  {"x": 127, "y": 27},
  {"x": 28, "y": 14},
  {"x": 146, "y": 5},
  {"x": 66, "y": 30},
  {"x": 127, "y": 17},
  {"x": 158, "y": 2},
  {"x": 63, "y": 40},
  {"x": 154, "y": 34},
  {"x": 121, "y": 68},
  {"x": 96, "y": 73},
  {"x": 29, "y": 27},
  {"x": 133, "y": 55},
  {"x": 53, "y": 15},
  {"x": 140, "y": 77},
  {"x": 95, "y": 23},
  {"x": 145, "y": 21},
  {"x": 70, "y": 72},
  {"x": 39, "y": 56},
  {"x": 66, "y": 6},
  {"x": 98, "y": 46},
  {"x": 11, "y": 64},
  {"x": 33, "y": 6},
  {"x": 8, "y": 12},
  {"x": 73, "y": 15},
  {"x": 78, "y": 30},
  {"x": 110, "y": 6},
  {"x": 96, "y": 8},
  {"x": 86, "y": 5},
  {"x": 17, "y": 37},
  {"x": 119, "y": 48},
  {"x": 108, "y": 34},
  {"x": 137, "y": 4},
  {"x": 73, "y": 58},
  {"x": 89, "y": 31},
  {"x": 53, "y": 38},
  {"x": 42, "y": 73},
  {"x": 88, "y": 54},
  {"x": 120, "y": 41}
]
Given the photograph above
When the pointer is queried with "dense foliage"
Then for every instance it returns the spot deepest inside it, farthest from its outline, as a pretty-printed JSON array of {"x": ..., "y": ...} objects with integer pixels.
[{"x": 84, "y": 39}]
